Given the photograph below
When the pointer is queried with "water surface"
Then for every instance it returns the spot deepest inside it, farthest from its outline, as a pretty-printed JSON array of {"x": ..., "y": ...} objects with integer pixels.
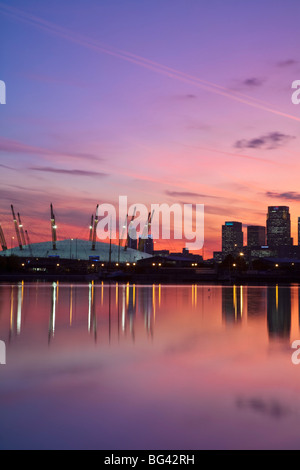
[{"x": 149, "y": 367}]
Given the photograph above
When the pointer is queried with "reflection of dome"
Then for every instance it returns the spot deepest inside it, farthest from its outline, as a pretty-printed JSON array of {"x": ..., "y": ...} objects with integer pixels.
[{"x": 76, "y": 249}]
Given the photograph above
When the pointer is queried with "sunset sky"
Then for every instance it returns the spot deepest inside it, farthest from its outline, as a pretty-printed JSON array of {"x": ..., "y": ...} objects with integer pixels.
[{"x": 164, "y": 101}]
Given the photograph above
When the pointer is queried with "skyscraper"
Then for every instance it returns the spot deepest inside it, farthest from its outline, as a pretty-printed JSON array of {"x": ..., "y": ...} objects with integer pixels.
[
  {"x": 256, "y": 235},
  {"x": 232, "y": 238},
  {"x": 278, "y": 226}
]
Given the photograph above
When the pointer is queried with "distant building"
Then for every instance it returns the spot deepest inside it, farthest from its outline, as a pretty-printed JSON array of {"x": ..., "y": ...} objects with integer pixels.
[
  {"x": 218, "y": 256},
  {"x": 148, "y": 245},
  {"x": 232, "y": 238},
  {"x": 256, "y": 236},
  {"x": 162, "y": 253},
  {"x": 262, "y": 252},
  {"x": 278, "y": 226}
]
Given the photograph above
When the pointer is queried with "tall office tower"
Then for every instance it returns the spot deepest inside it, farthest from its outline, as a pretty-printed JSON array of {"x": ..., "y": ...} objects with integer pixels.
[
  {"x": 232, "y": 238},
  {"x": 278, "y": 226},
  {"x": 256, "y": 235}
]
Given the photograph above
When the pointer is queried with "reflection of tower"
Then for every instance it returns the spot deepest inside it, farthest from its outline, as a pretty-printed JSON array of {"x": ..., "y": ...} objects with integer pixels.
[
  {"x": 131, "y": 307},
  {"x": 51, "y": 330},
  {"x": 146, "y": 306},
  {"x": 232, "y": 303},
  {"x": 279, "y": 311},
  {"x": 256, "y": 302},
  {"x": 20, "y": 303}
]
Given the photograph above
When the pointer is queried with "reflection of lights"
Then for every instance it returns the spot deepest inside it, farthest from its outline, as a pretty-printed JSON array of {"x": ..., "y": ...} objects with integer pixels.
[
  {"x": 53, "y": 307},
  {"x": 234, "y": 301},
  {"x": 11, "y": 307},
  {"x": 133, "y": 295},
  {"x": 117, "y": 293},
  {"x": 71, "y": 305},
  {"x": 102, "y": 292},
  {"x": 276, "y": 296},
  {"x": 159, "y": 295},
  {"x": 153, "y": 300},
  {"x": 242, "y": 300},
  {"x": 123, "y": 308},
  {"x": 90, "y": 307},
  {"x": 19, "y": 311},
  {"x": 127, "y": 295}
]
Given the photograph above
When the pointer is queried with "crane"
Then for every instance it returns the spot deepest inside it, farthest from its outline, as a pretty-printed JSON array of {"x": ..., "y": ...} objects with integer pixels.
[
  {"x": 28, "y": 243},
  {"x": 53, "y": 228},
  {"x": 91, "y": 228},
  {"x": 16, "y": 227},
  {"x": 21, "y": 230},
  {"x": 95, "y": 229},
  {"x": 2, "y": 239}
]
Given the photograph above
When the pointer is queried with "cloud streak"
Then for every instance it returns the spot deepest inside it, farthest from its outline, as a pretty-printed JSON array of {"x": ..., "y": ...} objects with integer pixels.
[
  {"x": 289, "y": 195},
  {"x": 95, "y": 174},
  {"x": 140, "y": 61},
  {"x": 13, "y": 146}
]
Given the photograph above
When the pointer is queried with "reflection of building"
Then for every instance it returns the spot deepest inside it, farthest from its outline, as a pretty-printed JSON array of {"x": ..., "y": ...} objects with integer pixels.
[
  {"x": 232, "y": 237},
  {"x": 279, "y": 311},
  {"x": 256, "y": 236},
  {"x": 278, "y": 226},
  {"x": 256, "y": 302},
  {"x": 232, "y": 303}
]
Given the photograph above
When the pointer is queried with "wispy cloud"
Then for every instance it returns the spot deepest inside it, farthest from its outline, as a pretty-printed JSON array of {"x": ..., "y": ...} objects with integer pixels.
[
  {"x": 289, "y": 195},
  {"x": 177, "y": 194},
  {"x": 13, "y": 146},
  {"x": 253, "y": 82},
  {"x": 69, "y": 172},
  {"x": 269, "y": 141}
]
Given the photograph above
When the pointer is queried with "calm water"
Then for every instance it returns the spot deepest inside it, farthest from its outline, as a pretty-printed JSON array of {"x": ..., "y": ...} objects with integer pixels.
[{"x": 149, "y": 367}]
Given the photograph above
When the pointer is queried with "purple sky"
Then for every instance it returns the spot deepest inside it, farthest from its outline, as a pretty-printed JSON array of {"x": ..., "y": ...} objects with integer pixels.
[{"x": 94, "y": 110}]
